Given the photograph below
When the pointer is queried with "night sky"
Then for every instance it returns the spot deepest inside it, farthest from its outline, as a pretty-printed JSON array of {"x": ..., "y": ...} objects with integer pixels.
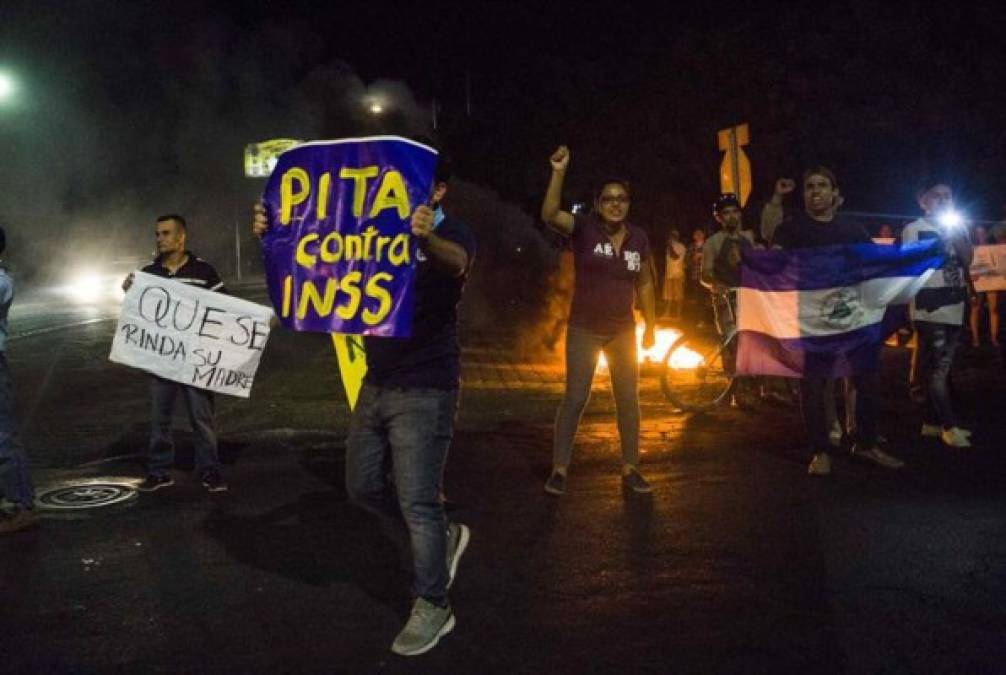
[{"x": 131, "y": 109}]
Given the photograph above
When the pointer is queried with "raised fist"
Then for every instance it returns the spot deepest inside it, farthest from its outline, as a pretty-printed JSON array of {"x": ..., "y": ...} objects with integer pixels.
[
  {"x": 784, "y": 186},
  {"x": 560, "y": 158}
]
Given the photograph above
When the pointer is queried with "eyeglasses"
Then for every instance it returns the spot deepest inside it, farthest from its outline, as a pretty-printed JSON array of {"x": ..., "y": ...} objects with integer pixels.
[{"x": 615, "y": 199}]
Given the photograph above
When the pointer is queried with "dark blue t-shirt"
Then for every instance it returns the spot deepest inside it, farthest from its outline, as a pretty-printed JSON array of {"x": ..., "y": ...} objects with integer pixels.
[
  {"x": 432, "y": 356},
  {"x": 605, "y": 279}
]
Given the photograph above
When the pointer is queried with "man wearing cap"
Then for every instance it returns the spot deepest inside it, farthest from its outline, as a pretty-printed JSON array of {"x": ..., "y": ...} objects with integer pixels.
[{"x": 721, "y": 262}]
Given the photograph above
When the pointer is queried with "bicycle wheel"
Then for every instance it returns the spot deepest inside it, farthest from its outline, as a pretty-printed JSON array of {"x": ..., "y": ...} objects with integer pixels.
[{"x": 693, "y": 376}]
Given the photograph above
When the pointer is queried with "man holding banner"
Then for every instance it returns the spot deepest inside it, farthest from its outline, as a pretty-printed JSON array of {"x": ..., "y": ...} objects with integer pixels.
[
  {"x": 175, "y": 262},
  {"x": 815, "y": 311},
  {"x": 404, "y": 416}
]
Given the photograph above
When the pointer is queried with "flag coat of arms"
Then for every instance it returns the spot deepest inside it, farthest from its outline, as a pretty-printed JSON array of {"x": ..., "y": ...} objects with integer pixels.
[{"x": 821, "y": 311}]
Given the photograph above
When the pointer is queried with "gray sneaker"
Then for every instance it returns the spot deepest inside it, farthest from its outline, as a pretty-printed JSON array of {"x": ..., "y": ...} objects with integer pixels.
[
  {"x": 457, "y": 541},
  {"x": 877, "y": 456},
  {"x": 426, "y": 625}
]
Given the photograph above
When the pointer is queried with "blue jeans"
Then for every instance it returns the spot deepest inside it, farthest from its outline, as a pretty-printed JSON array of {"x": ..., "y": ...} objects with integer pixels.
[
  {"x": 200, "y": 407},
  {"x": 15, "y": 481},
  {"x": 937, "y": 346},
  {"x": 395, "y": 456}
]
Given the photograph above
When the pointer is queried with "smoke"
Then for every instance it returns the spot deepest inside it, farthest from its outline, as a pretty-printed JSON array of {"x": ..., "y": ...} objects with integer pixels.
[
  {"x": 513, "y": 267},
  {"x": 126, "y": 126}
]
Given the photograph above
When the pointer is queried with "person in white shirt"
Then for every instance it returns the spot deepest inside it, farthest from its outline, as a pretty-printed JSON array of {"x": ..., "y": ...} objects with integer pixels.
[
  {"x": 674, "y": 276},
  {"x": 938, "y": 309}
]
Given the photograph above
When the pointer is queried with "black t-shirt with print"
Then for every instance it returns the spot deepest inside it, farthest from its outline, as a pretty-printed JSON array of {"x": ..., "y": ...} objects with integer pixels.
[{"x": 432, "y": 356}]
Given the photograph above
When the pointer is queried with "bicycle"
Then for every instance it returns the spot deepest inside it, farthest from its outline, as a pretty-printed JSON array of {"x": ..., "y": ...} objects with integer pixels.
[{"x": 698, "y": 369}]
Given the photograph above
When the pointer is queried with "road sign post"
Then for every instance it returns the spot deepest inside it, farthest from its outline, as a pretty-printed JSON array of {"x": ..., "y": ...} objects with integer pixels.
[{"x": 735, "y": 169}]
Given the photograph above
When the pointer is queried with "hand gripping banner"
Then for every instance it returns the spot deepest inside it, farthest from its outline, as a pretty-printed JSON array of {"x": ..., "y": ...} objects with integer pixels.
[{"x": 339, "y": 254}]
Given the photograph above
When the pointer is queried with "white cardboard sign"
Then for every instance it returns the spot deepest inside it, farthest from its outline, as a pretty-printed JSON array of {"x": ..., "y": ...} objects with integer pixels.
[
  {"x": 190, "y": 335},
  {"x": 988, "y": 269}
]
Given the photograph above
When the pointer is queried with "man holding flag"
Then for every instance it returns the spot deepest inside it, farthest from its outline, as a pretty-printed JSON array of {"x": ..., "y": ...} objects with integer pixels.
[{"x": 815, "y": 309}]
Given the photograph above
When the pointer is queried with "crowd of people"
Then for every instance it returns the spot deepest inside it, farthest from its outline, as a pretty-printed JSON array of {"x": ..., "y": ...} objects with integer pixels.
[
  {"x": 936, "y": 316},
  {"x": 402, "y": 425}
]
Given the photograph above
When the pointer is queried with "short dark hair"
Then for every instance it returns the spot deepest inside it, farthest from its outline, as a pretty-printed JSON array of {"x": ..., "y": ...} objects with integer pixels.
[
  {"x": 442, "y": 171},
  {"x": 3, "y": 241},
  {"x": 821, "y": 170},
  {"x": 624, "y": 184},
  {"x": 930, "y": 181},
  {"x": 175, "y": 217}
]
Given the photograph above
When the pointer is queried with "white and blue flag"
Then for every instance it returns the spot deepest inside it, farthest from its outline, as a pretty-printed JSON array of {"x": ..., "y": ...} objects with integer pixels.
[{"x": 820, "y": 311}]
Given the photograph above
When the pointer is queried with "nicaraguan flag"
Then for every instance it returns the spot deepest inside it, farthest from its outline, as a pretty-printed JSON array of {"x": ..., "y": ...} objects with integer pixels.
[{"x": 820, "y": 311}]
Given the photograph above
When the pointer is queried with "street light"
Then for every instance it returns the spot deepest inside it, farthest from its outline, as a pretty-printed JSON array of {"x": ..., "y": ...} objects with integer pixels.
[
  {"x": 7, "y": 87},
  {"x": 376, "y": 108}
]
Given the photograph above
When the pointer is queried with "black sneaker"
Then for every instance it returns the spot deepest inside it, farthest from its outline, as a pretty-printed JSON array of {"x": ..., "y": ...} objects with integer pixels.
[
  {"x": 634, "y": 481},
  {"x": 214, "y": 482},
  {"x": 556, "y": 483},
  {"x": 155, "y": 482}
]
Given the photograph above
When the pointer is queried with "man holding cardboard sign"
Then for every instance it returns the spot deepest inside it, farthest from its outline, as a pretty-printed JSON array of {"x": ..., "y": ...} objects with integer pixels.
[{"x": 175, "y": 262}]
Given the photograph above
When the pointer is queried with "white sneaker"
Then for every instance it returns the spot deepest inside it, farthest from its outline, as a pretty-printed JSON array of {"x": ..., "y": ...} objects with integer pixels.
[
  {"x": 835, "y": 435},
  {"x": 878, "y": 456},
  {"x": 955, "y": 437},
  {"x": 931, "y": 430},
  {"x": 820, "y": 465}
]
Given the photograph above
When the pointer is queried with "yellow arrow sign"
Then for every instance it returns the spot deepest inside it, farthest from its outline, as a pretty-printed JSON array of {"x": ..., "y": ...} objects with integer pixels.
[
  {"x": 735, "y": 169},
  {"x": 352, "y": 364}
]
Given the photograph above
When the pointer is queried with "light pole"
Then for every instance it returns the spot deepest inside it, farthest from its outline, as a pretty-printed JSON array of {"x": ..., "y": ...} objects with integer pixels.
[{"x": 8, "y": 87}]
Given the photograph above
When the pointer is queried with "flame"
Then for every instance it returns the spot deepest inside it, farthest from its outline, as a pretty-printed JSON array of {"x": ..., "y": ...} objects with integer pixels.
[{"x": 681, "y": 359}]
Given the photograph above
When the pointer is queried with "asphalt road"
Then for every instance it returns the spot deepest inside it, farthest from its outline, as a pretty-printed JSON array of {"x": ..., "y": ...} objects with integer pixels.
[{"x": 738, "y": 563}]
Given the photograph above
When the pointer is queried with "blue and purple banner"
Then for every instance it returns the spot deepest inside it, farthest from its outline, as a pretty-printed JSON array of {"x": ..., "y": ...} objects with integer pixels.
[
  {"x": 821, "y": 311},
  {"x": 339, "y": 254}
]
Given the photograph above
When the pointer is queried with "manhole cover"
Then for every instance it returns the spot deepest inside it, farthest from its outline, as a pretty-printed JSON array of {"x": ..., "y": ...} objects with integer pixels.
[{"x": 84, "y": 496}]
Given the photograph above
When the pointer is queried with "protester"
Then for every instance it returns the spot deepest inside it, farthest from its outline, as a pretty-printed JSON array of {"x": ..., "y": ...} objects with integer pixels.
[
  {"x": 174, "y": 261},
  {"x": 404, "y": 420},
  {"x": 721, "y": 260},
  {"x": 938, "y": 309},
  {"x": 674, "y": 276},
  {"x": 986, "y": 299},
  {"x": 695, "y": 293},
  {"x": 611, "y": 259},
  {"x": 820, "y": 225},
  {"x": 15, "y": 479}
]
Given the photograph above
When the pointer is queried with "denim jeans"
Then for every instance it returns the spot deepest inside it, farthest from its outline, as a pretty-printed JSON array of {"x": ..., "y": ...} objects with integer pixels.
[
  {"x": 406, "y": 432},
  {"x": 813, "y": 408},
  {"x": 936, "y": 348},
  {"x": 15, "y": 481},
  {"x": 582, "y": 350},
  {"x": 199, "y": 404}
]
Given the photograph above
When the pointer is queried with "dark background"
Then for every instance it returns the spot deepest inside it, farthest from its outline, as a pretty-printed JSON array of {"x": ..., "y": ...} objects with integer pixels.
[{"x": 129, "y": 110}]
